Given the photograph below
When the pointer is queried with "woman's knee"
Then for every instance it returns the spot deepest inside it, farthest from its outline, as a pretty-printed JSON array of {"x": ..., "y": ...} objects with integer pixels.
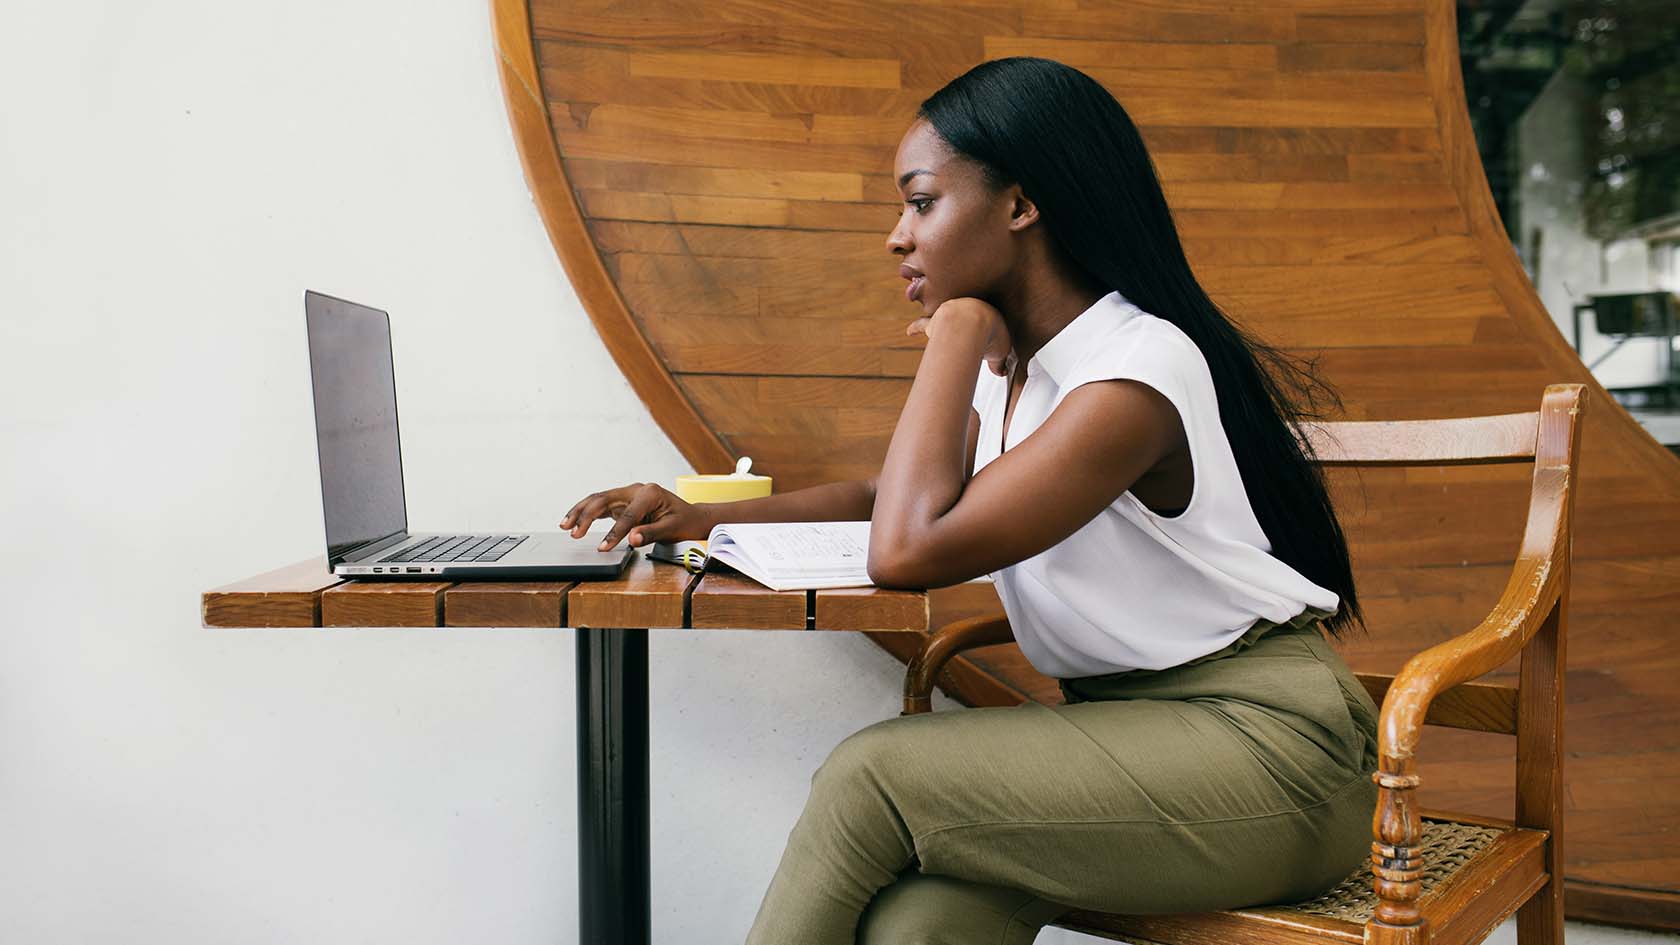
[
  {"x": 866, "y": 756},
  {"x": 926, "y": 909}
]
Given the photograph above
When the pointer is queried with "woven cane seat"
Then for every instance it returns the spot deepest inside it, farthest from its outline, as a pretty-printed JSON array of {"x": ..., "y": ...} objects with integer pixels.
[{"x": 1449, "y": 848}]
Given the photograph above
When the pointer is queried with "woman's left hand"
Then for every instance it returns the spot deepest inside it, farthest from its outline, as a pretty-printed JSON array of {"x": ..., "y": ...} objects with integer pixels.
[{"x": 988, "y": 322}]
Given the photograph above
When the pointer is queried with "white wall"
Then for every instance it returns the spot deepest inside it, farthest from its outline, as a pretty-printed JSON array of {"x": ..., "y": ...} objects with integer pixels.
[{"x": 172, "y": 177}]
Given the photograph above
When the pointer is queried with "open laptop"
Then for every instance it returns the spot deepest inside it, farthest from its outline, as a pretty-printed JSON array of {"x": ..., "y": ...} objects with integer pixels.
[{"x": 355, "y": 387}]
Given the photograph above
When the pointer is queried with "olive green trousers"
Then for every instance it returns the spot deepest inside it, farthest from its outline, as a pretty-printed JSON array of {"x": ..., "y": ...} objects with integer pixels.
[{"x": 1240, "y": 778}]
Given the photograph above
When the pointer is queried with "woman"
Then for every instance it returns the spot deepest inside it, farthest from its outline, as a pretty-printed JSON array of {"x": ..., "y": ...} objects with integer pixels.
[{"x": 1127, "y": 475}]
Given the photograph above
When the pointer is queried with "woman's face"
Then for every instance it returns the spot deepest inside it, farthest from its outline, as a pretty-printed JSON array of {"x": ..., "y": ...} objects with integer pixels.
[{"x": 953, "y": 232}]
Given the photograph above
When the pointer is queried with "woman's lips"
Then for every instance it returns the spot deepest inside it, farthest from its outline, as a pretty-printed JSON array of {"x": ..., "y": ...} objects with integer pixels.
[{"x": 914, "y": 288}]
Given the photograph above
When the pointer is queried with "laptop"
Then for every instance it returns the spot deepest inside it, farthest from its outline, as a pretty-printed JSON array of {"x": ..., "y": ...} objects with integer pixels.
[{"x": 362, "y": 500}]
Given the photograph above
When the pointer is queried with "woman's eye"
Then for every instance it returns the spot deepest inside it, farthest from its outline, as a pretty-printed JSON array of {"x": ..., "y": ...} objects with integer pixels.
[{"x": 920, "y": 203}]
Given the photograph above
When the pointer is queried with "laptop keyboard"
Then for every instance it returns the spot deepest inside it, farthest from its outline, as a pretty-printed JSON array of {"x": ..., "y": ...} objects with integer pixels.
[{"x": 458, "y": 548}]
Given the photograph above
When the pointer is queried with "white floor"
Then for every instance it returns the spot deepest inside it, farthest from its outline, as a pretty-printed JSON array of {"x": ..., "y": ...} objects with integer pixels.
[{"x": 1575, "y": 933}]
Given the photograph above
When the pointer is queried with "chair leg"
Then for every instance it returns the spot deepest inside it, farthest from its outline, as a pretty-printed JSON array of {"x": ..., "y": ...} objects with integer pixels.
[
  {"x": 1540, "y": 919},
  {"x": 1540, "y": 771}
]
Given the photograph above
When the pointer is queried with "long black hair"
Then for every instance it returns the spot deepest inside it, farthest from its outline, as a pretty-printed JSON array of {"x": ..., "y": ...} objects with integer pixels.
[{"x": 1076, "y": 154}]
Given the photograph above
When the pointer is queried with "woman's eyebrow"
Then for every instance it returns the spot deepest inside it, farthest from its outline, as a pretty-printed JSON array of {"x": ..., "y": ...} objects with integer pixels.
[{"x": 905, "y": 177}]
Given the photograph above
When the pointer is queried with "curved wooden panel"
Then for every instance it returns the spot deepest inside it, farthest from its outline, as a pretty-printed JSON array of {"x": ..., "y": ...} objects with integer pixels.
[{"x": 715, "y": 176}]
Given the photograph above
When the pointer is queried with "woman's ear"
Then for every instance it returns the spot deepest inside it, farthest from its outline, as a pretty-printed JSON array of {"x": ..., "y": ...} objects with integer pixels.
[{"x": 1022, "y": 211}]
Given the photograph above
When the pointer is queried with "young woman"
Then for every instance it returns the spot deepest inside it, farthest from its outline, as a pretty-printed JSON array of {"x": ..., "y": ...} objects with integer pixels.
[{"x": 1127, "y": 474}]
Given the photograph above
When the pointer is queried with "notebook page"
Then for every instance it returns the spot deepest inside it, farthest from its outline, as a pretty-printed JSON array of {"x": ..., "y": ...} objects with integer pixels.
[{"x": 796, "y": 550}]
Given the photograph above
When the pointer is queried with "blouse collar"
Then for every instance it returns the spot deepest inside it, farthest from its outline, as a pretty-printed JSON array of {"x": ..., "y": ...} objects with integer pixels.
[{"x": 1063, "y": 351}]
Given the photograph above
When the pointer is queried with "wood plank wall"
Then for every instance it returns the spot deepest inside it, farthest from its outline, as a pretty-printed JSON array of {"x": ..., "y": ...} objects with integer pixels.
[{"x": 716, "y": 177}]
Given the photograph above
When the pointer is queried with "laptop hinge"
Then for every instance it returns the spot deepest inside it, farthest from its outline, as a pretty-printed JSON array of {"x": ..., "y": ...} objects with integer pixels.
[{"x": 371, "y": 548}]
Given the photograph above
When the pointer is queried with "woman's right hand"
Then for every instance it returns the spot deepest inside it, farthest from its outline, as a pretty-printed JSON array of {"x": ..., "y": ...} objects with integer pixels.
[{"x": 646, "y": 510}]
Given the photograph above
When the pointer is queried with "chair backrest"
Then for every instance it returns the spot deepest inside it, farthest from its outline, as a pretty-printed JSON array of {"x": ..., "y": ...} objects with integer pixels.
[
  {"x": 1463, "y": 441},
  {"x": 1474, "y": 441},
  {"x": 1435, "y": 686}
]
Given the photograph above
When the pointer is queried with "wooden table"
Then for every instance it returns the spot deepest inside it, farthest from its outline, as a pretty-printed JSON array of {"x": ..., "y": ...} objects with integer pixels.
[{"x": 612, "y": 619}]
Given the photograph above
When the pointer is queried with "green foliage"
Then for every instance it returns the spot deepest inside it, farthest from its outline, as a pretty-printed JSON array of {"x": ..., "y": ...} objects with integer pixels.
[{"x": 1628, "y": 54}]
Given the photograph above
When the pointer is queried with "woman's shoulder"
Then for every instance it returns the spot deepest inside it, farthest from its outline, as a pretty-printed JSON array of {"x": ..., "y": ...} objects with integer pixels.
[
  {"x": 1144, "y": 342},
  {"x": 1157, "y": 331}
]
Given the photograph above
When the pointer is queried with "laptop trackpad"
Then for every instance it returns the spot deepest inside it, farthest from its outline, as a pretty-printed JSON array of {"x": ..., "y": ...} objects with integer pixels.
[{"x": 562, "y": 548}]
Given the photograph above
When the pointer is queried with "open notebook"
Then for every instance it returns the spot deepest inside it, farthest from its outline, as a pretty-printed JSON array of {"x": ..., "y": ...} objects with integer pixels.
[{"x": 783, "y": 556}]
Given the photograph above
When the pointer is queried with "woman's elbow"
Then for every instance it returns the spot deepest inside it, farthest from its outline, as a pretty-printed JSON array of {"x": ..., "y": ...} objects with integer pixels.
[
  {"x": 890, "y": 570},
  {"x": 910, "y": 571}
]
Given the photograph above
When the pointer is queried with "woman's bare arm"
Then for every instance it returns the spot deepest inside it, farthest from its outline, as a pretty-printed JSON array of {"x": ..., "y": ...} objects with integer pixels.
[
  {"x": 849, "y": 501},
  {"x": 932, "y": 527},
  {"x": 852, "y": 501},
  {"x": 647, "y": 512}
]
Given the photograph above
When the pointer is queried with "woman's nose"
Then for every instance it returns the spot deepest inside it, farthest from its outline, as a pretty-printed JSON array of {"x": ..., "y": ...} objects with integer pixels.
[{"x": 898, "y": 241}]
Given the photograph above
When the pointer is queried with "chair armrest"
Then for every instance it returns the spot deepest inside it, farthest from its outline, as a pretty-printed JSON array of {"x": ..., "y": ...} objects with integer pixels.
[
  {"x": 1534, "y": 598},
  {"x": 1537, "y": 583},
  {"x": 1530, "y": 595},
  {"x": 946, "y": 642}
]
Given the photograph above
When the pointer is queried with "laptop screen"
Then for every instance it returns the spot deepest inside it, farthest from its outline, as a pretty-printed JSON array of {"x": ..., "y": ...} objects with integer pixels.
[{"x": 355, "y": 422}]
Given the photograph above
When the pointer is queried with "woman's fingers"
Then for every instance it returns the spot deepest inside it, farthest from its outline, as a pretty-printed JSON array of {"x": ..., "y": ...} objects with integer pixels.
[
  {"x": 596, "y": 505},
  {"x": 578, "y": 518},
  {"x": 574, "y": 512},
  {"x": 660, "y": 529},
  {"x": 632, "y": 515},
  {"x": 924, "y": 326}
]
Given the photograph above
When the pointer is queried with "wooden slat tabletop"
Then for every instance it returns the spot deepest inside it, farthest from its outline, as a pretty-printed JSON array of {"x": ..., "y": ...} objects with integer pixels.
[
  {"x": 506, "y": 604},
  {"x": 648, "y": 594},
  {"x": 869, "y": 608},
  {"x": 724, "y": 601},
  {"x": 383, "y": 604},
  {"x": 285, "y": 597}
]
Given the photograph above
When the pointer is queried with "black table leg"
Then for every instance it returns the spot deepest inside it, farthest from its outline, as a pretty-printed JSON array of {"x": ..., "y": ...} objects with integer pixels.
[{"x": 614, "y": 901}]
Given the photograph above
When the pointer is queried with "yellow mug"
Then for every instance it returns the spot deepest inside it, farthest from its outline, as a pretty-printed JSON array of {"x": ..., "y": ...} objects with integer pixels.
[{"x": 723, "y": 487}]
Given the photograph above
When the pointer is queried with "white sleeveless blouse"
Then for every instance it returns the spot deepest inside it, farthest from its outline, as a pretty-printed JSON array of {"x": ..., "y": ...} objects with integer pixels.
[{"x": 1132, "y": 589}]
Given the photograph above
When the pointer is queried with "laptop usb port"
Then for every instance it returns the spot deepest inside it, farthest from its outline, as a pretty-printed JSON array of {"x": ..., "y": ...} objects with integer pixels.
[
  {"x": 411, "y": 570},
  {"x": 377, "y": 570}
]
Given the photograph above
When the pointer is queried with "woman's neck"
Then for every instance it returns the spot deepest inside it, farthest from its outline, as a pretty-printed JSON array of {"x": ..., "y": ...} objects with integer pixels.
[{"x": 1043, "y": 304}]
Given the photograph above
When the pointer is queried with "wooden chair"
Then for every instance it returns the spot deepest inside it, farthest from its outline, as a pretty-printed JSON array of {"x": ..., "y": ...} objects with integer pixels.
[{"x": 1437, "y": 879}]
